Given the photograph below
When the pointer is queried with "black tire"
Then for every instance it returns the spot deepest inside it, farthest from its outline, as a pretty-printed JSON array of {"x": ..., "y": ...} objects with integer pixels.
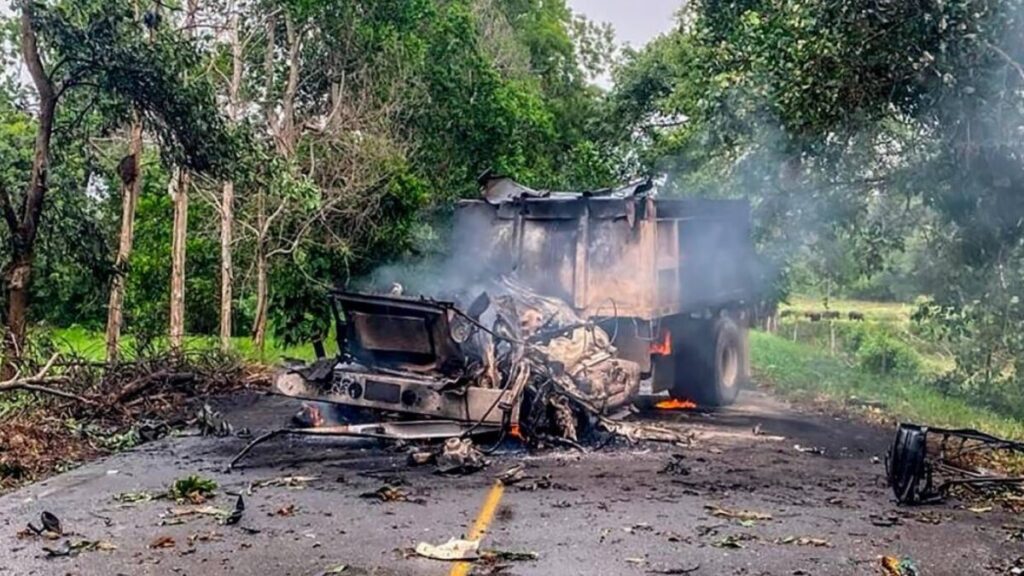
[
  {"x": 711, "y": 363},
  {"x": 905, "y": 466}
]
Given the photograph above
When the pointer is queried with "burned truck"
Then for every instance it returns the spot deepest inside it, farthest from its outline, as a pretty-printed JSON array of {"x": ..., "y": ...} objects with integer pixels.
[{"x": 574, "y": 303}]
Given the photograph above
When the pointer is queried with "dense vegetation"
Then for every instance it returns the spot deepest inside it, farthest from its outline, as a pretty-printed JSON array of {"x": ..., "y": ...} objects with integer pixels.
[
  {"x": 317, "y": 135},
  {"x": 879, "y": 143}
]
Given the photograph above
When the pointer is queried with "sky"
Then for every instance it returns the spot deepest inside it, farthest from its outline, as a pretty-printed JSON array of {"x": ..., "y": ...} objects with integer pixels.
[{"x": 636, "y": 22}]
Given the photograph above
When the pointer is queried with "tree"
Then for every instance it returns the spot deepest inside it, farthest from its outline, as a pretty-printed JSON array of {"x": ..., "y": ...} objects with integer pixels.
[
  {"x": 227, "y": 206},
  {"x": 24, "y": 222},
  {"x": 848, "y": 124},
  {"x": 96, "y": 48},
  {"x": 178, "y": 189}
]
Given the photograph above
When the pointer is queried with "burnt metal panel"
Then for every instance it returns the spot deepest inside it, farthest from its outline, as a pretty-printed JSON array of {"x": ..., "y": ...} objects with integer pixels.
[
  {"x": 400, "y": 333},
  {"x": 634, "y": 256},
  {"x": 377, "y": 391},
  {"x": 392, "y": 333}
]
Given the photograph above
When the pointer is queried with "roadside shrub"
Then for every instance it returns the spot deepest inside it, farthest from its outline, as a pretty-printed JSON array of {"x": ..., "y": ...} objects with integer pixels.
[{"x": 882, "y": 353}]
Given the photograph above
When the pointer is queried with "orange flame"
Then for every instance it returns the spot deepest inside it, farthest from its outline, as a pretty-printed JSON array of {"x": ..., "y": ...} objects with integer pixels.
[
  {"x": 664, "y": 347},
  {"x": 675, "y": 404}
]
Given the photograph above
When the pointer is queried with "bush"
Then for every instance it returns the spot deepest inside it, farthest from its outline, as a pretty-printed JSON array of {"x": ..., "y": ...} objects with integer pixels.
[{"x": 882, "y": 353}]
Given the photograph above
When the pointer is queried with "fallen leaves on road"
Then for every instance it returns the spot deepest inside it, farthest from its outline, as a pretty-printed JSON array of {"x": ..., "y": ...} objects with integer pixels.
[
  {"x": 899, "y": 566},
  {"x": 391, "y": 494},
  {"x": 733, "y": 541},
  {"x": 162, "y": 542},
  {"x": 203, "y": 537},
  {"x": 201, "y": 510},
  {"x": 69, "y": 548},
  {"x": 193, "y": 488},
  {"x": 294, "y": 482},
  {"x": 719, "y": 512},
  {"x": 804, "y": 541},
  {"x": 129, "y": 498}
]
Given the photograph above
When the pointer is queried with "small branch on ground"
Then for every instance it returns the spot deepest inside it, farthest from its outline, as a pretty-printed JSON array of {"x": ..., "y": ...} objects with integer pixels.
[{"x": 38, "y": 383}]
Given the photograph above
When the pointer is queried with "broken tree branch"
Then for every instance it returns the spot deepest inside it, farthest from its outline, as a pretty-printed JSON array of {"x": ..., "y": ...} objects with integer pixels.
[{"x": 37, "y": 383}]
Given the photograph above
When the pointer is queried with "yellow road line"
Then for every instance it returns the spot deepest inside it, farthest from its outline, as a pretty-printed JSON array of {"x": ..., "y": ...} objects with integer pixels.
[{"x": 480, "y": 525}]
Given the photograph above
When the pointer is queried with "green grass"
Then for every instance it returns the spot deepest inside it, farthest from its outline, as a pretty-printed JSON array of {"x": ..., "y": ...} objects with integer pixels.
[
  {"x": 91, "y": 345},
  {"x": 879, "y": 311},
  {"x": 803, "y": 372}
]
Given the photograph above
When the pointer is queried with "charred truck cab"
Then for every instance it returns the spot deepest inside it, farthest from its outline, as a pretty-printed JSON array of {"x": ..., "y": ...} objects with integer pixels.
[{"x": 579, "y": 297}]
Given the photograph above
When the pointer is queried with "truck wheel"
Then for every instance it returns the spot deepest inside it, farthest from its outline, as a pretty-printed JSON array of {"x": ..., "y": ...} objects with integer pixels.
[{"x": 712, "y": 367}]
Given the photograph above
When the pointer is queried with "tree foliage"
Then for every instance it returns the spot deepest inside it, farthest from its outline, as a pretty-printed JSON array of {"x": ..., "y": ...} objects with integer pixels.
[{"x": 857, "y": 129}]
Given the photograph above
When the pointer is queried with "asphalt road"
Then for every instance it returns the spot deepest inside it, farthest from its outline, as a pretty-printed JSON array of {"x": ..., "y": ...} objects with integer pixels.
[{"x": 622, "y": 510}]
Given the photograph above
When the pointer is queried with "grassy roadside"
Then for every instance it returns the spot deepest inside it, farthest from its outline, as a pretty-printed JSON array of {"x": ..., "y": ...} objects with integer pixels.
[
  {"x": 90, "y": 345},
  {"x": 804, "y": 372}
]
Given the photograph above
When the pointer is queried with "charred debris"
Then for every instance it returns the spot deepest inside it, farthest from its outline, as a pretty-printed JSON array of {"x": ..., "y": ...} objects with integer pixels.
[
  {"x": 514, "y": 364},
  {"x": 927, "y": 465},
  {"x": 571, "y": 300}
]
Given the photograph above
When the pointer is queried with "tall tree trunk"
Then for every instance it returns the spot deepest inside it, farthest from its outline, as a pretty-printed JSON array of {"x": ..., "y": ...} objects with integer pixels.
[
  {"x": 288, "y": 134},
  {"x": 180, "y": 232},
  {"x": 227, "y": 272},
  {"x": 259, "y": 326},
  {"x": 259, "y": 330},
  {"x": 24, "y": 223},
  {"x": 227, "y": 211},
  {"x": 131, "y": 185},
  {"x": 180, "y": 198}
]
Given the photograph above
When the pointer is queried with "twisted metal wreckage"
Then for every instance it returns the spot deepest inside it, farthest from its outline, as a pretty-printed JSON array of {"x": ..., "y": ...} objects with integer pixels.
[
  {"x": 925, "y": 465},
  {"x": 570, "y": 300},
  {"x": 516, "y": 363}
]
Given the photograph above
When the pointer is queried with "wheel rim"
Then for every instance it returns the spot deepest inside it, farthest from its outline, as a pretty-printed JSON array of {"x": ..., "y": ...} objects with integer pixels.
[{"x": 729, "y": 365}]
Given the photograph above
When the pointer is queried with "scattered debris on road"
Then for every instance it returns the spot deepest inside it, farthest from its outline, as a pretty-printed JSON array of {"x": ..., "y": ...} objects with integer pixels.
[
  {"x": 804, "y": 541},
  {"x": 193, "y": 488},
  {"x": 50, "y": 526},
  {"x": 454, "y": 549},
  {"x": 236, "y": 514},
  {"x": 69, "y": 548},
  {"x": 720, "y": 512},
  {"x": 899, "y": 566},
  {"x": 925, "y": 465},
  {"x": 734, "y": 541},
  {"x": 460, "y": 457},
  {"x": 675, "y": 466},
  {"x": 163, "y": 542},
  {"x": 512, "y": 475},
  {"x": 113, "y": 406},
  {"x": 391, "y": 494}
]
